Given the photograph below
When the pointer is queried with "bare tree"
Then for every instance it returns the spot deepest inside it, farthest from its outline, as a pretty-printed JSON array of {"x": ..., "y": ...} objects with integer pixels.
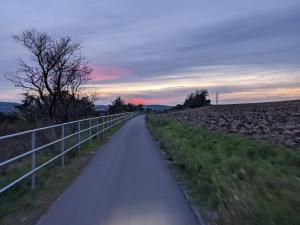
[
  {"x": 56, "y": 73},
  {"x": 93, "y": 93}
]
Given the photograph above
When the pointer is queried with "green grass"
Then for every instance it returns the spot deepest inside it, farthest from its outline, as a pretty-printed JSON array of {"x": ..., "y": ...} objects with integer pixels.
[
  {"x": 234, "y": 180},
  {"x": 21, "y": 206}
]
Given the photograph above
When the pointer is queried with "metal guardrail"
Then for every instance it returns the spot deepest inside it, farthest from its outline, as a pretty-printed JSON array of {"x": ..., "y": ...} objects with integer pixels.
[{"x": 103, "y": 123}]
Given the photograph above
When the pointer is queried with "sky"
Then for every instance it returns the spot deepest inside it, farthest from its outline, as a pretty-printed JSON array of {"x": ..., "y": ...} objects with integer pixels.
[{"x": 158, "y": 51}]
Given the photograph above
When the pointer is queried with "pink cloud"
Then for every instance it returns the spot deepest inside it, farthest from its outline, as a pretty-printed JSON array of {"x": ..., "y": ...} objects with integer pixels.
[{"x": 105, "y": 73}]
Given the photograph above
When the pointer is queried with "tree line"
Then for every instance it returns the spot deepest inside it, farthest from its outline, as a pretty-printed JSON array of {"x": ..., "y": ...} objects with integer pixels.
[{"x": 119, "y": 105}]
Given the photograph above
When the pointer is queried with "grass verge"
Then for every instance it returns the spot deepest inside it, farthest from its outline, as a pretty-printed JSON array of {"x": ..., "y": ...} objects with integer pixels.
[
  {"x": 19, "y": 205},
  {"x": 233, "y": 180}
]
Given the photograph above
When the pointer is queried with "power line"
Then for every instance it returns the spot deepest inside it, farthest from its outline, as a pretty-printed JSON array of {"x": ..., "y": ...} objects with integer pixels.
[{"x": 217, "y": 98}]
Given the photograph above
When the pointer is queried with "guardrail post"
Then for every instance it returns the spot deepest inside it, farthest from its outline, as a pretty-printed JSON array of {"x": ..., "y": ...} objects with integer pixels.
[
  {"x": 110, "y": 123},
  {"x": 103, "y": 132},
  {"x": 79, "y": 136},
  {"x": 33, "y": 160},
  {"x": 62, "y": 146},
  {"x": 90, "y": 131},
  {"x": 97, "y": 128},
  {"x": 107, "y": 123}
]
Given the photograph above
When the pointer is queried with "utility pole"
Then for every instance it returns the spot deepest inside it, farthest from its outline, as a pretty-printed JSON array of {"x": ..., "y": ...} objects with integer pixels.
[{"x": 217, "y": 98}]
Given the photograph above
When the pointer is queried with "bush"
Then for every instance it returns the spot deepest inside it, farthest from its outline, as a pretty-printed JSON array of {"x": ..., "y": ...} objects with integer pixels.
[{"x": 197, "y": 99}]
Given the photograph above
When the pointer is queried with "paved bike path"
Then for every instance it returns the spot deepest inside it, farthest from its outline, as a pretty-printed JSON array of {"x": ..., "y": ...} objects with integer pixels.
[{"x": 127, "y": 182}]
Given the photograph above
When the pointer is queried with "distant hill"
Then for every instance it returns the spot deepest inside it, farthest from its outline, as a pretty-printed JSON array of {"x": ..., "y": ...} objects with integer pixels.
[
  {"x": 104, "y": 108},
  {"x": 157, "y": 107},
  {"x": 8, "y": 106},
  {"x": 101, "y": 108}
]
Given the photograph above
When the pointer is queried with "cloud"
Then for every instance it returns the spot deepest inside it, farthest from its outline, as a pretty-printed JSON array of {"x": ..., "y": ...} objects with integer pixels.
[
  {"x": 162, "y": 49},
  {"x": 107, "y": 73},
  {"x": 229, "y": 83},
  {"x": 262, "y": 39}
]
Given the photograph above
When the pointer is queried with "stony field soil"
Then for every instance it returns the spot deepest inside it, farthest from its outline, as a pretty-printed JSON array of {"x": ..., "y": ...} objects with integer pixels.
[{"x": 275, "y": 122}]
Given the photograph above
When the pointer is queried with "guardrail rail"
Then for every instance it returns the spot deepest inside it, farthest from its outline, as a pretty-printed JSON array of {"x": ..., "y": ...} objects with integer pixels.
[{"x": 95, "y": 127}]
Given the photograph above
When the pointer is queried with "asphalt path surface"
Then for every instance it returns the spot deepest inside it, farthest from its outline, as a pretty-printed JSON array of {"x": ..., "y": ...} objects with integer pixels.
[{"x": 127, "y": 182}]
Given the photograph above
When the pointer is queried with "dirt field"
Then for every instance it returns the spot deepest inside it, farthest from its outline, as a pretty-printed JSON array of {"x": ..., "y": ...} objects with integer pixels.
[{"x": 275, "y": 122}]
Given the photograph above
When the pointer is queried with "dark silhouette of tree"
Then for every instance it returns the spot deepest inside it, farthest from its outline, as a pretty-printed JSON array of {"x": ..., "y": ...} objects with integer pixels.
[
  {"x": 139, "y": 107},
  {"x": 198, "y": 98},
  {"x": 130, "y": 107},
  {"x": 31, "y": 109},
  {"x": 53, "y": 79},
  {"x": 178, "y": 107},
  {"x": 117, "y": 105}
]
